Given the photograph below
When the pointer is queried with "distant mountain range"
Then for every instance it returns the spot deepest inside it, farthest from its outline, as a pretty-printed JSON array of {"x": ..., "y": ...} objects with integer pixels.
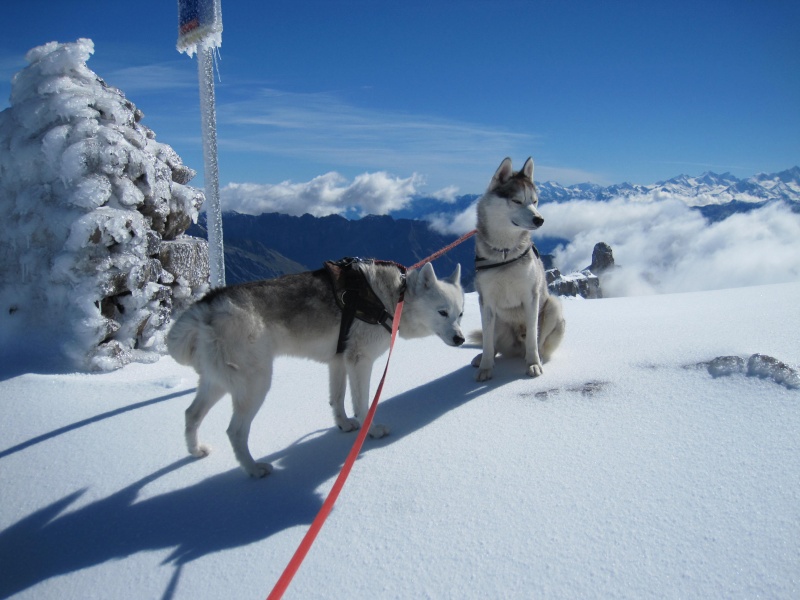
[
  {"x": 716, "y": 196},
  {"x": 272, "y": 244},
  {"x": 708, "y": 188}
]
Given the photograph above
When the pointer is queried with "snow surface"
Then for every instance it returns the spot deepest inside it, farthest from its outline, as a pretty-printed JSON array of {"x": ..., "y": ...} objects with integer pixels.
[{"x": 625, "y": 471}]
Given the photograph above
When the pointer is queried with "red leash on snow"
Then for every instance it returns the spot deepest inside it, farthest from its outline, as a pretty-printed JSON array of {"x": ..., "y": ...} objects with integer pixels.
[{"x": 327, "y": 506}]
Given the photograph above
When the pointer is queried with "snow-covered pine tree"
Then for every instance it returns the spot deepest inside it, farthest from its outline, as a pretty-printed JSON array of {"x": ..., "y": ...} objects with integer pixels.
[{"x": 92, "y": 215}]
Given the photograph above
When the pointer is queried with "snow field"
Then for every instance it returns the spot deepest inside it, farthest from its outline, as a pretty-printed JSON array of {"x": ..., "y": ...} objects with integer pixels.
[{"x": 624, "y": 471}]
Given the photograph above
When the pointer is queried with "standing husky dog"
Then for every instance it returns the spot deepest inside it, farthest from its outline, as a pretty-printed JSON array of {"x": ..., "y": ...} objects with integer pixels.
[
  {"x": 233, "y": 334},
  {"x": 518, "y": 314}
]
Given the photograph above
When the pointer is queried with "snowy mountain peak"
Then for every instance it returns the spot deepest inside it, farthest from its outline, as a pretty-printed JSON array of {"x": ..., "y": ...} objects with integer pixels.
[{"x": 708, "y": 188}]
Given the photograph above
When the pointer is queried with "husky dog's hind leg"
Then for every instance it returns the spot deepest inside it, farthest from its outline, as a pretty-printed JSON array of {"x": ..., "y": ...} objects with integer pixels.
[
  {"x": 248, "y": 395},
  {"x": 208, "y": 394},
  {"x": 551, "y": 327}
]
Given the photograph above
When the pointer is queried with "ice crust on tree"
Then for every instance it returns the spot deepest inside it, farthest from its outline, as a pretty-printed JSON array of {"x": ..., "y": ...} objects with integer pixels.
[{"x": 93, "y": 211}]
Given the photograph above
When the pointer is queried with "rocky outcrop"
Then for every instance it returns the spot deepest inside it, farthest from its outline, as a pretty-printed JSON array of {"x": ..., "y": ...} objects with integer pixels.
[
  {"x": 585, "y": 283},
  {"x": 602, "y": 259}
]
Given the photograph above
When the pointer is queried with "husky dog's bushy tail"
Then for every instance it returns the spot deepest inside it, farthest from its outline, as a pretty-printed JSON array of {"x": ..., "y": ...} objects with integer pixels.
[
  {"x": 197, "y": 338},
  {"x": 183, "y": 338}
]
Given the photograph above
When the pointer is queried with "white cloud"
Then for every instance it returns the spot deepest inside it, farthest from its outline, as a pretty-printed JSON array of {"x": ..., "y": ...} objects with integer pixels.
[
  {"x": 665, "y": 246},
  {"x": 447, "y": 194},
  {"x": 369, "y": 193},
  {"x": 454, "y": 224},
  {"x": 379, "y": 193}
]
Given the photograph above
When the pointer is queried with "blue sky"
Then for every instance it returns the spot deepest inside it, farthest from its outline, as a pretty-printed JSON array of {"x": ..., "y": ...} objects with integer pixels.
[{"x": 437, "y": 93}]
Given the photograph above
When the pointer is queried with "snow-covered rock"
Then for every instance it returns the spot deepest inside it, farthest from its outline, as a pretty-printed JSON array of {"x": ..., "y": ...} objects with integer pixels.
[
  {"x": 769, "y": 367},
  {"x": 88, "y": 200},
  {"x": 758, "y": 365},
  {"x": 586, "y": 282},
  {"x": 580, "y": 283}
]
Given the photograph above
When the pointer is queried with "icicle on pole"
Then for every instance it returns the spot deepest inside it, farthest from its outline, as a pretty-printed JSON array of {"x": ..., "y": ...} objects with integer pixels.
[{"x": 200, "y": 31}]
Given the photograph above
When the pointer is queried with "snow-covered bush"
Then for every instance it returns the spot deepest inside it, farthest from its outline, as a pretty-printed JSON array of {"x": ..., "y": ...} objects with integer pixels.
[{"x": 92, "y": 209}]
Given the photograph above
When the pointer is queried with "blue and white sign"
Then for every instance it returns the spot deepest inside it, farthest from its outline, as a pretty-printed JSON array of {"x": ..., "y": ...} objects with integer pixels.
[{"x": 199, "y": 21}]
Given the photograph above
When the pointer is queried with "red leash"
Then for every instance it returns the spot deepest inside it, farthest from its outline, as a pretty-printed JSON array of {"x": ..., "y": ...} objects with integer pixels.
[
  {"x": 444, "y": 250},
  {"x": 327, "y": 505},
  {"x": 305, "y": 544}
]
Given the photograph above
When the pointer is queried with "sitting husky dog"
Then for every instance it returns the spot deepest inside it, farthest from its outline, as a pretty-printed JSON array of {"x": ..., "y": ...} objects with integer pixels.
[
  {"x": 233, "y": 334},
  {"x": 519, "y": 316}
]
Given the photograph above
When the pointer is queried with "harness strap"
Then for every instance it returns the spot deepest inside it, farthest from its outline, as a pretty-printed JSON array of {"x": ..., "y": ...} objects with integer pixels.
[
  {"x": 506, "y": 262},
  {"x": 348, "y": 316},
  {"x": 356, "y": 298}
]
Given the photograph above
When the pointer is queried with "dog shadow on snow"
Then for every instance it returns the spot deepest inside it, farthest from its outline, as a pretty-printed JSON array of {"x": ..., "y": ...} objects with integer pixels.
[{"x": 225, "y": 511}]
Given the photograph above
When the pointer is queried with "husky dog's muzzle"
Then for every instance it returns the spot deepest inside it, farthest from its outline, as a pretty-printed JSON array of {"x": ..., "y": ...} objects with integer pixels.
[
  {"x": 456, "y": 340},
  {"x": 535, "y": 222},
  {"x": 526, "y": 217}
]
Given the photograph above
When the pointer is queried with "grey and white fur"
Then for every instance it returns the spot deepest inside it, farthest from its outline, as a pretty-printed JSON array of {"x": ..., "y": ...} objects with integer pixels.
[
  {"x": 232, "y": 336},
  {"x": 519, "y": 317}
]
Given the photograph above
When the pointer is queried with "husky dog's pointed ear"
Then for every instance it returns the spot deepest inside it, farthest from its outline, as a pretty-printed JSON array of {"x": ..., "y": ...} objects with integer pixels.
[
  {"x": 504, "y": 171},
  {"x": 455, "y": 278},
  {"x": 427, "y": 276},
  {"x": 527, "y": 168}
]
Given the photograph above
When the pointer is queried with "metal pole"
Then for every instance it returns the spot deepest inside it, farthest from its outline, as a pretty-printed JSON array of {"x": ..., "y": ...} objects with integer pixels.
[{"x": 208, "y": 114}]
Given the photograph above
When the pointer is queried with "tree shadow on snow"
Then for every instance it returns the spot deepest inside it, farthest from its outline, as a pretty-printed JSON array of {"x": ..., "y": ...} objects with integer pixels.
[
  {"x": 225, "y": 511},
  {"x": 42, "y": 359},
  {"x": 91, "y": 420}
]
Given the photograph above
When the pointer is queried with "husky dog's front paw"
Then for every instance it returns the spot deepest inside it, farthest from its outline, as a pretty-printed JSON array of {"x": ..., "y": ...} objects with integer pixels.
[
  {"x": 347, "y": 425},
  {"x": 484, "y": 372},
  {"x": 378, "y": 431},
  {"x": 200, "y": 451},
  {"x": 484, "y": 375},
  {"x": 259, "y": 470},
  {"x": 534, "y": 370}
]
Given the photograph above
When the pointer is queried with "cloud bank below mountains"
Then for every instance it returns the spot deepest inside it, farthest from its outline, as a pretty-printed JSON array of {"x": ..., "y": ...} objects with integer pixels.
[{"x": 666, "y": 247}]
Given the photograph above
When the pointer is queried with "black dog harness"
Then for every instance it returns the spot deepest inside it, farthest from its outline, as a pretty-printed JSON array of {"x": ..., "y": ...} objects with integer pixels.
[
  {"x": 355, "y": 297},
  {"x": 505, "y": 262}
]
